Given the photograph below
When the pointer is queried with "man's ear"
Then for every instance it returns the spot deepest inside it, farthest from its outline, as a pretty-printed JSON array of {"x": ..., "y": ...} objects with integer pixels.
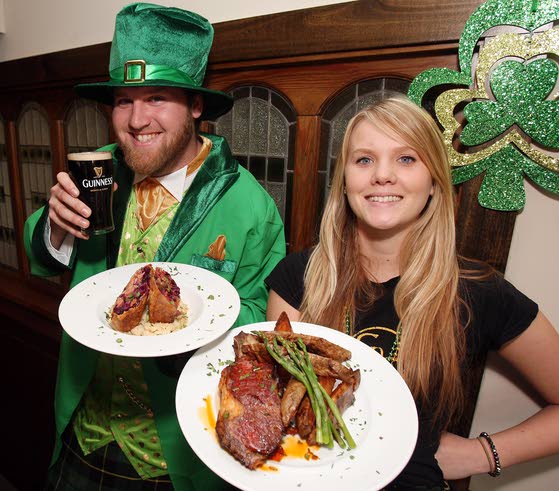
[{"x": 196, "y": 105}]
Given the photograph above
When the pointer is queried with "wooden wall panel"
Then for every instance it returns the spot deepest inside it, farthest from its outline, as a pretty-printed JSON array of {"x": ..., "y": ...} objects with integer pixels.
[
  {"x": 342, "y": 27},
  {"x": 305, "y": 183}
]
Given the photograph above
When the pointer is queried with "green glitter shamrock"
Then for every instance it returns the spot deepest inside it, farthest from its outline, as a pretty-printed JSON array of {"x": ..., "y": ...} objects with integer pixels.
[
  {"x": 516, "y": 134},
  {"x": 517, "y": 101}
]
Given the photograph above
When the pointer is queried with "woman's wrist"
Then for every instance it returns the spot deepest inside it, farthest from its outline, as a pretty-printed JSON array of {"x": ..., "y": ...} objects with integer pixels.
[
  {"x": 491, "y": 453},
  {"x": 489, "y": 464},
  {"x": 479, "y": 461}
]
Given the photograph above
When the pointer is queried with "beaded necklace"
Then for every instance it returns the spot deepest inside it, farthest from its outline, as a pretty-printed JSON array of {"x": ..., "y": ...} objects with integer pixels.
[{"x": 393, "y": 355}]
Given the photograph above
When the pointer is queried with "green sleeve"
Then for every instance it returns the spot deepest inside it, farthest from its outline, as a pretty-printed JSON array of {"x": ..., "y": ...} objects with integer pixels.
[{"x": 264, "y": 248}]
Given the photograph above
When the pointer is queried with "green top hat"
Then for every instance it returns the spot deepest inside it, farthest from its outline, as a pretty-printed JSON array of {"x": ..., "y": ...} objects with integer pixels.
[{"x": 155, "y": 46}]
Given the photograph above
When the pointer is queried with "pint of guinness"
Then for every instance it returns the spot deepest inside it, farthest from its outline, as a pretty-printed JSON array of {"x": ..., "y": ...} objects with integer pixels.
[{"x": 92, "y": 173}]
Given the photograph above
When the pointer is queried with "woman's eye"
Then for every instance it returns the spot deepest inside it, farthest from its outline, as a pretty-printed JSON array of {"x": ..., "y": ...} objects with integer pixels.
[
  {"x": 407, "y": 159},
  {"x": 364, "y": 160}
]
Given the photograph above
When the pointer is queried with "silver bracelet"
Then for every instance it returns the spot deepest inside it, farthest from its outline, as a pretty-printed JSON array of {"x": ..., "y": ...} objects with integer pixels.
[{"x": 496, "y": 460}]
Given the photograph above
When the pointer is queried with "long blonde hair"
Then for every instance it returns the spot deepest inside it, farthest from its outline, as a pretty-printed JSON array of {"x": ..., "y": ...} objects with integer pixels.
[{"x": 426, "y": 298}]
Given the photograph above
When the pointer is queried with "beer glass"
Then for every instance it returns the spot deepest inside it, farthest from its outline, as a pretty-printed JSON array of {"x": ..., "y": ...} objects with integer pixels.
[{"x": 92, "y": 173}]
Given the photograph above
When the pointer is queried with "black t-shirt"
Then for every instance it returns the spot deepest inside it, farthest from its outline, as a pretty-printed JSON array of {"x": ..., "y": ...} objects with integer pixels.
[{"x": 499, "y": 313}]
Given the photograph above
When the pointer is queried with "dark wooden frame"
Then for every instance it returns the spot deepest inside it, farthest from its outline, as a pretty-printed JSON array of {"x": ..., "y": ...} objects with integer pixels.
[{"x": 309, "y": 56}]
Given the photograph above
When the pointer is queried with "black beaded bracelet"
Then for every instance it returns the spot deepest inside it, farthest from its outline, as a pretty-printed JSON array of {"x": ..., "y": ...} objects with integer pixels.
[{"x": 497, "y": 471}]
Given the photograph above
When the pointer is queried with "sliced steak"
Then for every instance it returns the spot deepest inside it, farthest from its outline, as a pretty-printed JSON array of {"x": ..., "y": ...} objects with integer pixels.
[{"x": 249, "y": 423}]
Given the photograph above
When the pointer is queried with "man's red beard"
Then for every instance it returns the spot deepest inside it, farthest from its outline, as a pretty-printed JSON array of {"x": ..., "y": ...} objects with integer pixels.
[{"x": 163, "y": 162}]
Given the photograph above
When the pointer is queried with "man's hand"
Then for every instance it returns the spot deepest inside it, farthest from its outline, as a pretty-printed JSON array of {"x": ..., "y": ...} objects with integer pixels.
[{"x": 67, "y": 213}]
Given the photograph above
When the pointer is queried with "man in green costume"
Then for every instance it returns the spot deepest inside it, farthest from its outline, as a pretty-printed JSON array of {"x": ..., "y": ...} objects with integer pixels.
[{"x": 115, "y": 417}]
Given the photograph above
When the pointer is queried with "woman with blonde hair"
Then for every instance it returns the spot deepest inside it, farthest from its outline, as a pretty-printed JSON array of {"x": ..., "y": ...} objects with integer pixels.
[{"x": 386, "y": 271}]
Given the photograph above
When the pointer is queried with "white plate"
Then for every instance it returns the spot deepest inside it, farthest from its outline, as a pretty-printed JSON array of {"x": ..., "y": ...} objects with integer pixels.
[
  {"x": 382, "y": 421},
  {"x": 213, "y": 307}
]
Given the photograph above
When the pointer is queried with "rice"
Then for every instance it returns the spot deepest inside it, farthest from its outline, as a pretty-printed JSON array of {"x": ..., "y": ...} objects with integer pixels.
[{"x": 146, "y": 328}]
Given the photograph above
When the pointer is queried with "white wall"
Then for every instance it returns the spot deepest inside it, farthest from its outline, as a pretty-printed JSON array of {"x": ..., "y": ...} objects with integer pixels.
[
  {"x": 33, "y": 27},
  {"x": 533, "y": 266}
]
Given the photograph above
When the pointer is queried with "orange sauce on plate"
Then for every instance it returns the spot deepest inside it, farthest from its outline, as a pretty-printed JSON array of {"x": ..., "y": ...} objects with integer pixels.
[
  {"x": 292, "y": 446},
  {"x": 206, "y": 414}
]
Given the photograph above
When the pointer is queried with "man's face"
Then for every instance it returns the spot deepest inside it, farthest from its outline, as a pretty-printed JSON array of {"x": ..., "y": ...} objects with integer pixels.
[{"x": 155, "y": 128}]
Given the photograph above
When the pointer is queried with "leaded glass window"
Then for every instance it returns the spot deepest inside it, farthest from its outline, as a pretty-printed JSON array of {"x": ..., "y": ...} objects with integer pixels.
[
  {"x": 261, "y": 131},
  {"x": 8, "y": 251},
  {"x": 86, "y": 127},
  {"x": 35, "y": 156},
  {"x": 337, "y": 116}
]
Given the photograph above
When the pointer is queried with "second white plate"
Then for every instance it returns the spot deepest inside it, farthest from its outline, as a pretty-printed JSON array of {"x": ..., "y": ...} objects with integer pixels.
[{"x": 382, "y": 421}]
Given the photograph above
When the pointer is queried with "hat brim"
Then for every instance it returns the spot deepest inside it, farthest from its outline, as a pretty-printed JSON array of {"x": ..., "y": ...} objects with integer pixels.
[{"x": 216, "y": 103}]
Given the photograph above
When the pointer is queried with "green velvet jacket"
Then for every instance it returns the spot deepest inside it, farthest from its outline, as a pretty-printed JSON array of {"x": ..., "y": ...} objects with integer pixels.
[{"x": 223, "y": 199}]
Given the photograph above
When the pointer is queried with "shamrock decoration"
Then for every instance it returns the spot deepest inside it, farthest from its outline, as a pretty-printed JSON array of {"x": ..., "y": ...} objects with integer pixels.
[
  {"x": 510, "y": 124},
  {"x": 517, "y": 101}
]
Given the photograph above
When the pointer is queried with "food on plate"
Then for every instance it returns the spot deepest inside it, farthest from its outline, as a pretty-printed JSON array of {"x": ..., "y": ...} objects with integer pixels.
[
  {"x": 164, "y": 297},
  {"x": 129, "y": 307},
  {"x": 314, "y": 344},
  {"x": 283, "y": 382},
  {"x": 249, "y": 423},
  {"x": 249, "y": 344},
  {"x": 150, "y": 304},
  {"x": 291, "y": 399}
]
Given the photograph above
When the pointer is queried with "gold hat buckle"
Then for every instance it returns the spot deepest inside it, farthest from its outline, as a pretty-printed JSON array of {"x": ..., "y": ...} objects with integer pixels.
[{"x": 131, "y": 71}]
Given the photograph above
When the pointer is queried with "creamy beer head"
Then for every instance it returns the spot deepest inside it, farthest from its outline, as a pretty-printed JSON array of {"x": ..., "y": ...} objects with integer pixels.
[{"x": 92, "y": 173}]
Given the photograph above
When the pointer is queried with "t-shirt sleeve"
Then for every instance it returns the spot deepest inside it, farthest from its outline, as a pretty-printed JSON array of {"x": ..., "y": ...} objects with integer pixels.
[
  {"x": 287, "y": 278},
  {"x": 501, "y": 312}
]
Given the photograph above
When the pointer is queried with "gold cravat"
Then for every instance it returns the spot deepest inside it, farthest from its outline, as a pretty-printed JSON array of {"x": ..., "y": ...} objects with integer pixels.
[
  {"x": 152, "y": 197},
  {"x": 153, "y": 200}
]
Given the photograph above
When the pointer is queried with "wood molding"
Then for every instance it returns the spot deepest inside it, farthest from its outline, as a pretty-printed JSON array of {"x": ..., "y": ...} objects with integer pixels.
[
  {"x": 342, "y": 27},
  {"x": 482, "y": 233},
  {"x": 305, "y": 184}
]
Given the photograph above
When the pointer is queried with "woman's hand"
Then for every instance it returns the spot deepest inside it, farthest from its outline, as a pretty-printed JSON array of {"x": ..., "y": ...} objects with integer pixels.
[{"x": 460, "y": 457}]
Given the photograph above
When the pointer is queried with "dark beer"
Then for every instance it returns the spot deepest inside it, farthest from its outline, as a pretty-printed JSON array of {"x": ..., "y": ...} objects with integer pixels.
[{"x": 92, "y": 172}]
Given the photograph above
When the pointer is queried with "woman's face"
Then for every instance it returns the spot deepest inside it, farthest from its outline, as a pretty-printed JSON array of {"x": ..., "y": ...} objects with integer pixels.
[{"x": 387, "y": 184}]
